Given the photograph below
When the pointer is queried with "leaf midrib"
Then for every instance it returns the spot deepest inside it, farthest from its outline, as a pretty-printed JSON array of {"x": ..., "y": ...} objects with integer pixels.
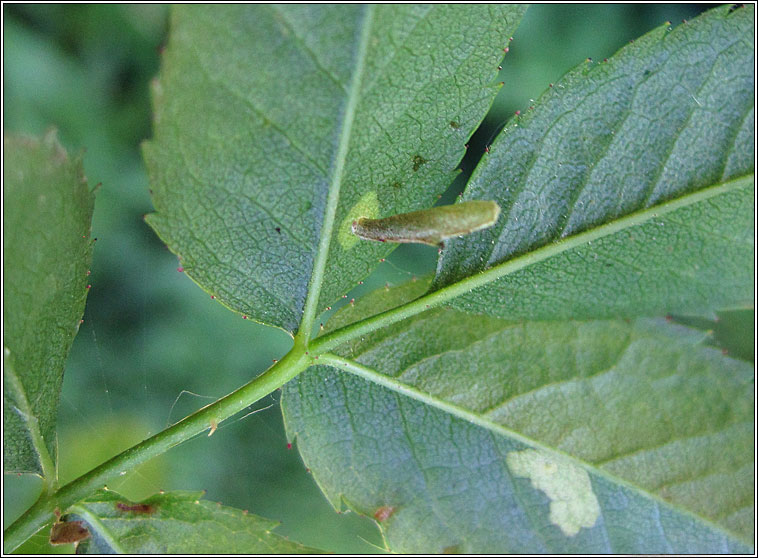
[
  {"x": 103, "y": 531},
  {"x": 319, "y": 266},
  {"x": 473, "y": 347},
  {"x": 464, "y": 286},
  {"x": 402, "y": 389}
]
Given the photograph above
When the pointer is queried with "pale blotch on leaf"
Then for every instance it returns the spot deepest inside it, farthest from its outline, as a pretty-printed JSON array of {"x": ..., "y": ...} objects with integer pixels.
[
  {"x": 367, "y": 206},
  {"x": 573, "y": 503}
]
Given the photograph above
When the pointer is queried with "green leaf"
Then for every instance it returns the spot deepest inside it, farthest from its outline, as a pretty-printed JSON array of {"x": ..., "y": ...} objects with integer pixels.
[
  {"x": 735, "y": 332},
  {"x": 176, "y": 522},
  {"x": 277, "y": 126},
  {"x": 47, "y": 214},
  {"x": 495, "y": 436},
  {"x": 648, "y": 157}
]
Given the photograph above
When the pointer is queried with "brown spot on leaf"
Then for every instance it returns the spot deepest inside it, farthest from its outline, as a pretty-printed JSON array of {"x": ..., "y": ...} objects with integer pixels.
[
  {"x": 418, "y": 160},
  {"x": 383, "y": 513},
  {"x": 146, "y": 509},
  {"x": 68, "y": 532}
]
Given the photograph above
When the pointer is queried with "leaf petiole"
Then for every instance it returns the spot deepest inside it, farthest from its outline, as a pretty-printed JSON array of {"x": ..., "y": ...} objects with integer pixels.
[{"x": 41, "y": 513}]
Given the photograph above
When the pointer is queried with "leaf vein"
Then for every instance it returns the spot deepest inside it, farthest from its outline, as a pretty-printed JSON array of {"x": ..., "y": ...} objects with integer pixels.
[
  {"x": 280, "y": 17},
  {"x": 260, "y": 113}
]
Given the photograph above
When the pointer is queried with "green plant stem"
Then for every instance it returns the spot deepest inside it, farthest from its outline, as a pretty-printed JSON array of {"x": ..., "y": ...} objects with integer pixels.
[
  {"x": 336, "y": 338},
  {"x": 42, "y": 512}
]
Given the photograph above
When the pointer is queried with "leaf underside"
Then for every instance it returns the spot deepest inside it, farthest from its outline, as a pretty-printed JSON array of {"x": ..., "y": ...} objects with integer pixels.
[
  {"x": 176, "y": 523},
  {"x": 249, "y": 122},
  {"x": 47, "y": 250},
  {"x": 662, "y": 123},
  {"x": 661, "y": 425},
  {"x": 627, "y": 191}
]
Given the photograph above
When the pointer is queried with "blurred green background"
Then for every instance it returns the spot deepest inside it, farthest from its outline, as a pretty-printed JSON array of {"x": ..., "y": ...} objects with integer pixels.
[{"x": 150, "y": 335}]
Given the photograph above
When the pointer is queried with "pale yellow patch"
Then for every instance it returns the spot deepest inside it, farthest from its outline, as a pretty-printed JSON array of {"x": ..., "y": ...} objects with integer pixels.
[
  {"x": 367, "y": 206},
  {"x": 573, "y": 503}
]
